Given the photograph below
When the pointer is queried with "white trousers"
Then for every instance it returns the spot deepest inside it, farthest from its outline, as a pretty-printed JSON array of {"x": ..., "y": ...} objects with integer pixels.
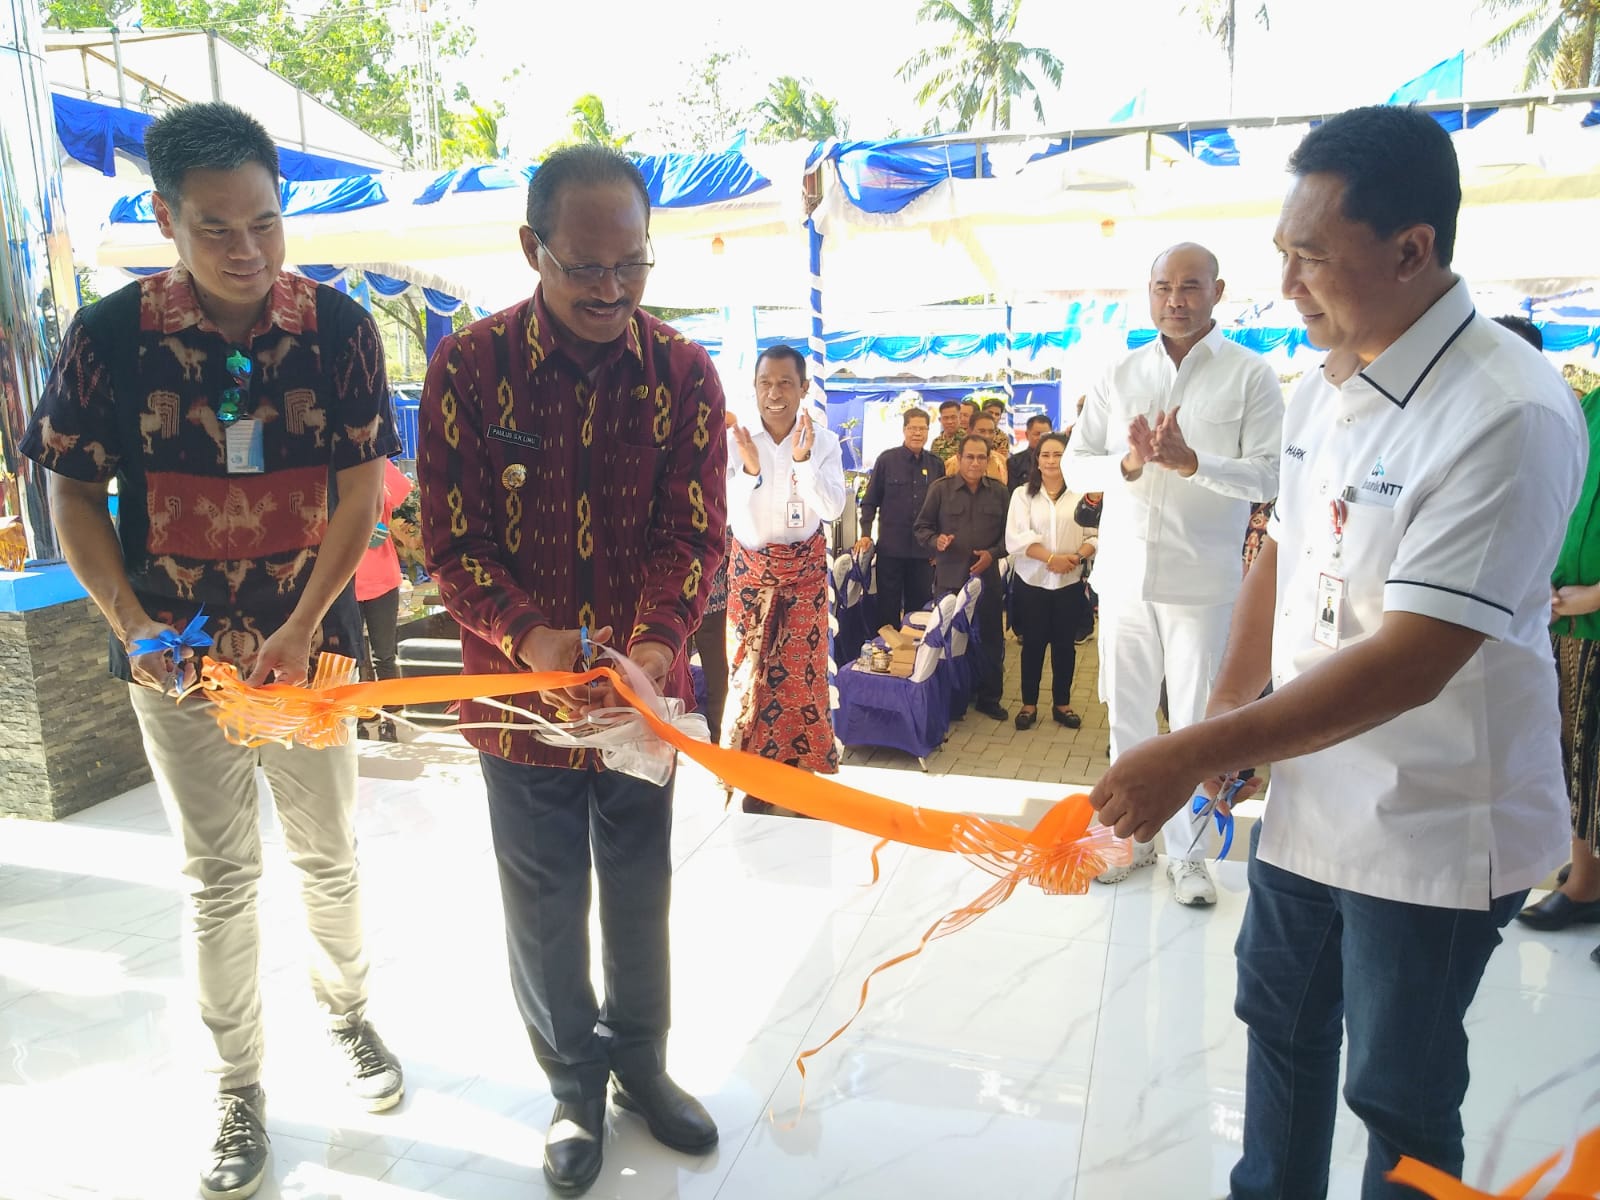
[
  {"x": 208, "y": 787},
  {"x": 1140, "y": 645}
]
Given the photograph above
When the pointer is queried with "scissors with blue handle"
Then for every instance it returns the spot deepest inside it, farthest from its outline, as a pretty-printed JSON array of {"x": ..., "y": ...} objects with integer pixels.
[
  {"x": 1204, "y": 806},
  {"x": 193, "y": 637}
]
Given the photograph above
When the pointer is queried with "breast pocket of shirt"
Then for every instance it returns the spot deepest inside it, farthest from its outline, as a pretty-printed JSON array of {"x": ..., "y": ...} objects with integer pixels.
[
  {"x": 1213, "y": 425},
  {"x": 991, "y": 505},
  {"x": 954, "y": 512},
  {"x": 627, "y": 488},
  {"x": 1127, "y": 406}
]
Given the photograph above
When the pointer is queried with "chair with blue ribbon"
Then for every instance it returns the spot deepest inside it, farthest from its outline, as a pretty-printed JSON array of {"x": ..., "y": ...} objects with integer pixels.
[
  {"x": 948, "y": 609},
  {"x": 965, "y": 648},
  {"x": 910, "y": 714},
  {"x": 852, "y": 606}
]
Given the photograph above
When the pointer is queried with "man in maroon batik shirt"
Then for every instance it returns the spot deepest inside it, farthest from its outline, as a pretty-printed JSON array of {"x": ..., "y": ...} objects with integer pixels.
[{"x": 568, "y": 449}]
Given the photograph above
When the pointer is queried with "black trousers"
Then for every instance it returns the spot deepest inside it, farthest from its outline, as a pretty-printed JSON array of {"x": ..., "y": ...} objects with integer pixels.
[
  {"x": 904, "y": 585},
  {"x": 381, "y": 614},
  {"x": 711, "y": 640},
  {"x": 1046, "y": 619},
  {"x": 545, "y": 822}
]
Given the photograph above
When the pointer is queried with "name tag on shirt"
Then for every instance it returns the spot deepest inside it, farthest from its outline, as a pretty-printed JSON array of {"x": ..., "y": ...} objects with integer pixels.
[
  {"x": 1381, "y": 497},
  {"x": 516, "y": 437},
  {"x": 796, "y": 514},
  {"x": 246, "y": 454},
  {"x": 1330, "y": 610}
]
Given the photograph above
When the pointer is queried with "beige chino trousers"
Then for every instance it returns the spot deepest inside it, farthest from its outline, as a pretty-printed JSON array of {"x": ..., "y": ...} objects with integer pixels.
[{"x": 208, "y": 787}]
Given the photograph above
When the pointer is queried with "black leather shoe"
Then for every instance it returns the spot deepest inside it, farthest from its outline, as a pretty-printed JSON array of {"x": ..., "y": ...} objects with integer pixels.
[
  {"x": 238, "y": 1160},
  {"x": 1069, "y": 718},
  {"x": 1557, "y": 911},
  {"x": 572, "y": 1148},
  {"x": 1026, "y": 718},
  {"x": 992, "y": 708},
  {"x": 675, "y": 1118}
]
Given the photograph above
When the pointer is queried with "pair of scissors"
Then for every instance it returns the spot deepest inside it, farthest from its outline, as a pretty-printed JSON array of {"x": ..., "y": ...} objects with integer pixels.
[{"x": 1204, "y": 806}]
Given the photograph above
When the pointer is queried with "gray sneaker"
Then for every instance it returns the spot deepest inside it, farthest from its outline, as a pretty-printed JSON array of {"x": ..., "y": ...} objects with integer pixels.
[
  {"x": 375, "y": 1075},
  {"x": 237, "y": 1160},
  {"x": 1144, "y": 855}
]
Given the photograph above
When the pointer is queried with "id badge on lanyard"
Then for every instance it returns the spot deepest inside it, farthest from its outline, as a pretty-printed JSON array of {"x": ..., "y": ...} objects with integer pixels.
[
  {"x": 795, "y": 512},
  {"x": 1330, "y": 583},
  {"x": 245, "y": 453}
]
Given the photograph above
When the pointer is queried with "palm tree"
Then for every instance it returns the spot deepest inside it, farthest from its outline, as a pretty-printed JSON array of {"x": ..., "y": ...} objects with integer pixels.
[
  {"x": 1221, "y": 19},
  {"x": 589, "y": 123},
  {"x": 976, "y": 74},
  {"x": 792, "y": 112},
  {"x": 1565, "y": 36}
]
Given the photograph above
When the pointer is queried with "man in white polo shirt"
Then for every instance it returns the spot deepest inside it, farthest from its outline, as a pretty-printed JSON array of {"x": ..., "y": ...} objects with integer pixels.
[
  {"x": 1182, "y": 436},
  {"x": 1399, "y": 607}
]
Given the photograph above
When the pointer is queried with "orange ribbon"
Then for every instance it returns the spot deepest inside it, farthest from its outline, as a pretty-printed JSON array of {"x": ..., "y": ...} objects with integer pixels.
[
  {"x": 1581, "y": 1180},
  {"x": 1059, "y": 855}
]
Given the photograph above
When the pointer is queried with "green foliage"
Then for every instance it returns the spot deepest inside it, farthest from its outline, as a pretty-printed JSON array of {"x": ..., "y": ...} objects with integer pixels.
[
  {"x": 1220, "y": 18},
  {"x": 87, "y": 292},
  {"x": 704, "y": 116},
  {"x": 974, "y": 76},
  {"x": 791, "y": 111},
  {"x": 86, "y": 14},
  {"x": 669, "y": 315},
  {"x": 472, "y": 137},
  {"x": 343, "y": 54},
  {"x": 591, "y": 126},
  {"x": 1561, "y": 37}
]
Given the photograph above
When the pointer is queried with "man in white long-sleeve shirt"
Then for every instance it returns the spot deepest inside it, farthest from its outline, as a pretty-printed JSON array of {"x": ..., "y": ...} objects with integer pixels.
[
  {"x": 1182, "y": 436},
  {"x": 785, "y": 483}
]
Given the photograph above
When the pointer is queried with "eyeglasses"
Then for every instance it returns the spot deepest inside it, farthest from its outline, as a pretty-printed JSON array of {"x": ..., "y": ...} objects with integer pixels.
[
  {"x": 589, "y": 276},
  {"x": 239, "y": 365}
]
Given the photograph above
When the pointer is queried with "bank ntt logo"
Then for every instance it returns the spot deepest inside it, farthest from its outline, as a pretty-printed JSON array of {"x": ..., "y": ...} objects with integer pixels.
[{"x": 1377, "y": 469}]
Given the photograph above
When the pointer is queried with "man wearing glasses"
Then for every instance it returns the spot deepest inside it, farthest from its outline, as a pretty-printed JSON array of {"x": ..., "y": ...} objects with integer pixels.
[
  {"x": 226, "y": 396},
  {"x": 571, "y": 460}
]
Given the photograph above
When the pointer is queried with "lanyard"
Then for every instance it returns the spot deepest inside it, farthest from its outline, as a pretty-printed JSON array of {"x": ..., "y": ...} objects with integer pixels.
[{"x": 1338, "y": 511}]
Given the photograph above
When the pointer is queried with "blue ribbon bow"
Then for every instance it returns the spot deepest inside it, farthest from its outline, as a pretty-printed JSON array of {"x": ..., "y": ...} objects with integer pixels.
[{"x": 194, "y": 635}]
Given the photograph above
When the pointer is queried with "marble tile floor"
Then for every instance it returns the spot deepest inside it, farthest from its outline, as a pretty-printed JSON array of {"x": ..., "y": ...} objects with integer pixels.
[{"x": 1071, "y": 1048}]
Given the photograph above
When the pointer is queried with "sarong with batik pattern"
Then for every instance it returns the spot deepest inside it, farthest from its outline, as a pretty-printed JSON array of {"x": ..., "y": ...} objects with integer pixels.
[{"x": 778, "y": 654}]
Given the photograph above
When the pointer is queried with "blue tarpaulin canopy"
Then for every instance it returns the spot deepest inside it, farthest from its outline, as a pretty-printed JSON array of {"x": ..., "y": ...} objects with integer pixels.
[{"x": 673, "y": 180}]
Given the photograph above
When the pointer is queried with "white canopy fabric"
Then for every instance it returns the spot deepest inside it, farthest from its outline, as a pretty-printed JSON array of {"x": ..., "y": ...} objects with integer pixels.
[
  {"x": 1087, "y": 221},
  {"x": 1095, "y": 218}
]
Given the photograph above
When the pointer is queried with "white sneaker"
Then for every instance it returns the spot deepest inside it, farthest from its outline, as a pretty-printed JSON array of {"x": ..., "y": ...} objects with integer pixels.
[
  {"x": 1191, "y": 882},
  {"x": 1144, "y": 855}
]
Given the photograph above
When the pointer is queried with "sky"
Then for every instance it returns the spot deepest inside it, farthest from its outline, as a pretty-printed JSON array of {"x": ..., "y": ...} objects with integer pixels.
[{"x": 1317, "y": 57}]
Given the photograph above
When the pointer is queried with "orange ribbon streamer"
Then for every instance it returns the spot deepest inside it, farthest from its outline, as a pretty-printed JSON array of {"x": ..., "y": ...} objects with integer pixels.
[
  {"x": 1059, "y": 855},
  {"x": 1580, "y": 1182}
]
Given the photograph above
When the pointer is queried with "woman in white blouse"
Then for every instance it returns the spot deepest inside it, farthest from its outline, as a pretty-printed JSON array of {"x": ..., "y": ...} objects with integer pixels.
[{"x": 1049, "y": 549}]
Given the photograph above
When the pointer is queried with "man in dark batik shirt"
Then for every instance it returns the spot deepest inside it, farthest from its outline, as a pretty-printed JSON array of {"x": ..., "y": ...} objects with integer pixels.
[
  {"x": 231, "y": 401},
  {"x": 572, "y": 459}
]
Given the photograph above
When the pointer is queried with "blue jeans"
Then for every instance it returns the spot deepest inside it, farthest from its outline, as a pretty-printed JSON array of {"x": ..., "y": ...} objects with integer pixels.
[
  {"x": 1400, "y": 978},
  {"x": 544, "y": 821}
]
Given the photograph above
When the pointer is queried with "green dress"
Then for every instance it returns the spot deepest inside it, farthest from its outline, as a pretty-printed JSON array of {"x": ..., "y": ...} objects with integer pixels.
[{"x": 1577, "y": 647}]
